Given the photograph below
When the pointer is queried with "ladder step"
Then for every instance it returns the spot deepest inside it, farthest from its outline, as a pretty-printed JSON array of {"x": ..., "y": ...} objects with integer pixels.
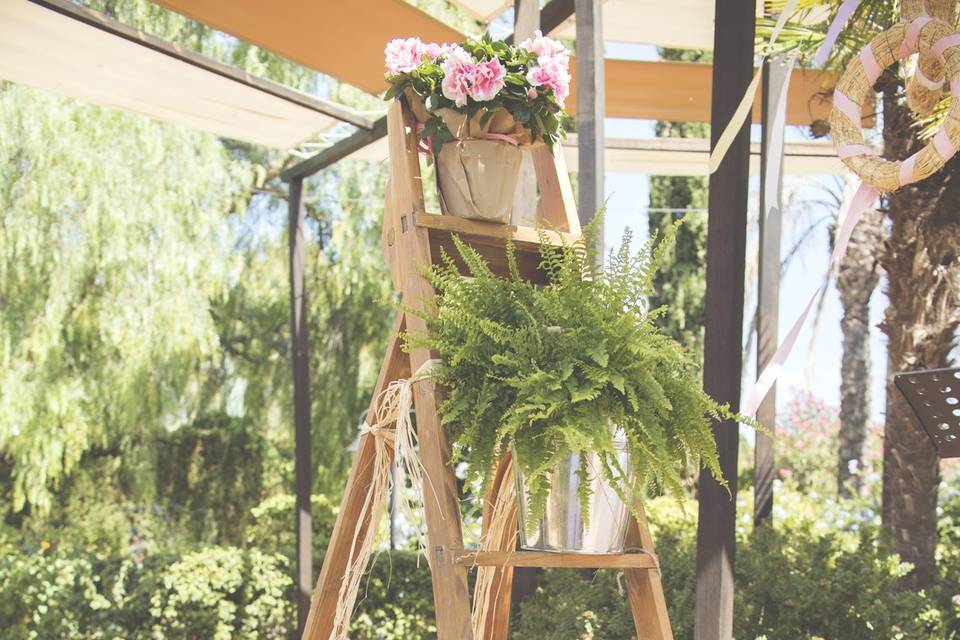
[
  {"x": 637, "y": 560},
  {"x": 491, "y": 230},
  {"x": 489, "y": 240}
]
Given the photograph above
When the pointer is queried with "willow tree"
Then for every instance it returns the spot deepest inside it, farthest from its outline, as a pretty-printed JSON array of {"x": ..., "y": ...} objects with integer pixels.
[
  {"x": 105, "y": 278},
  {"x": 144, "y": 305}
]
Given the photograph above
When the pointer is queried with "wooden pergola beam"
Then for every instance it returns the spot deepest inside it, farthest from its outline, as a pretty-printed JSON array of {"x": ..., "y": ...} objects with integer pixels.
[
  {"x": 723, "y": 359},
  {"x": 300, "y": 362},
  {"x": 590, "y": 101}
]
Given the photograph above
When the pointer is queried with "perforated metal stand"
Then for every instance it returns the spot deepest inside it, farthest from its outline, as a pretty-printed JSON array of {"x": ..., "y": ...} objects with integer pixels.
[{"x": 934, "y": 396}]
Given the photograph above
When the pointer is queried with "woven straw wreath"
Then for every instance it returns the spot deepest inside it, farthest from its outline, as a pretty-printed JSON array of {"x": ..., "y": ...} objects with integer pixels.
[{"x": 934, "y": 39}]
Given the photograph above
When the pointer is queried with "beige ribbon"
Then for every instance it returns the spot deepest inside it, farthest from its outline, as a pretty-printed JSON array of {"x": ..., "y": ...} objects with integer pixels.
[
  {"x": 746, "y": 103},
  {"x": 392, "y": 407}
]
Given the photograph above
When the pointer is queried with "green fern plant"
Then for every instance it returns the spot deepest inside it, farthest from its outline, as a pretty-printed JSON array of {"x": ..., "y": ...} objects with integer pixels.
[{"x": 551, "y": 369}]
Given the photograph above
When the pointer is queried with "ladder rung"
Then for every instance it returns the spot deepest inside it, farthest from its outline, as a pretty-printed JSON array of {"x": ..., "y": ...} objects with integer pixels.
[
  {"x": 520, "y": 235},
  {"x": 555, "y": 559}
]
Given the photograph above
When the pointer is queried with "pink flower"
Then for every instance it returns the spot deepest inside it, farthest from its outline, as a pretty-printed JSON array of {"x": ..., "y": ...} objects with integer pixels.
[
  {"x": 403, "y": 55},
  {"x": 532, "y": 93},
  {"x": 433, "y": 50},
  {"x": 546, "y": 48},
  {"x": 551, "y": 73},
  {"x": 458, "y": 71},
  {"x": 487, "y": 80}
]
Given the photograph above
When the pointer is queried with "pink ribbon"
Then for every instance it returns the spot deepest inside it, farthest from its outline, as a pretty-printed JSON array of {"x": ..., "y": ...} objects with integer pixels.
[
  {"x": 943, "y": 145},
  {"x": 912, "y": 38},
  {"x": 870, "y": 64},
  {"x": 847, "y": 107},
  {"x": 851, "y": 150},
  {"x": 907, "y": 168},
  {"x": 425, "y": 147},
  {"x": 502, "y": 137},
  {"x": 862, "y": 201},
  {"x": 843, "y": 15},
  {"x": 943, "y": 44}
]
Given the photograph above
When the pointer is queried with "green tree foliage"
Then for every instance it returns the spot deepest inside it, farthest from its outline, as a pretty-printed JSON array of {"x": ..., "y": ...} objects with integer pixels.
[
  {"x": 144, "y": 314},
  {"x": 681, "y": 282},
  {"x": 112, "y": 242}
]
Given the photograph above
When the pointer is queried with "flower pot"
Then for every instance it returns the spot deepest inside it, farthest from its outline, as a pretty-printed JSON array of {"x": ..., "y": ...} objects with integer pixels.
[
  {"x": 477, "y": 173},
  {"x": 478, "y": 178},
  {"x": 562, "y": 527}
]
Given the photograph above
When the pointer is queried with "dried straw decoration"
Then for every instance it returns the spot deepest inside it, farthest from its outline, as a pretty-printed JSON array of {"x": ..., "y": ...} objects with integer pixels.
[
  {"x": 926, "y": 86},
  {"x": 928, "y": 36}
]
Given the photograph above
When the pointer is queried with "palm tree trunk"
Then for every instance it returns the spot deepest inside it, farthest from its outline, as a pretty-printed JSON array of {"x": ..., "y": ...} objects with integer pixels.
[
  {"x": 921, "y": 260},
  {"x": 857, "y": 278}
]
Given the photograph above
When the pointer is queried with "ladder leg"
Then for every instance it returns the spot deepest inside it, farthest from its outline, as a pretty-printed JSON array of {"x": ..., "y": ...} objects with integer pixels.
[
  {"x": 645, "y": 590},
  {"x": 319, "y": 623},
  {"x": 496, "y": 622},
  {"x": 451, "y": 595}
]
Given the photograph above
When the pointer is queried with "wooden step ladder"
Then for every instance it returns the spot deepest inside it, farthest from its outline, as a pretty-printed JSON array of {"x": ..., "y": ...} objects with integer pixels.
[{"x": 411, "y": 240}]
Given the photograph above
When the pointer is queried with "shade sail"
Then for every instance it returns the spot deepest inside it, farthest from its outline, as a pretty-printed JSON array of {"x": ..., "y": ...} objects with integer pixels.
[
  {"x": 342, "y": 39},
  {"x": 60, "y": 47},
  {"x": 672, "y": 156},
  {"x": 681, "y": 92},
  {"x": 681, "y": 24},
  {"x": 346, "y": 40}
]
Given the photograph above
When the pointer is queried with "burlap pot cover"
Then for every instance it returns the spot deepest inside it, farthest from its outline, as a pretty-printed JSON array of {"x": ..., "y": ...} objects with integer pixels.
[{"x": 477, "y": 179}]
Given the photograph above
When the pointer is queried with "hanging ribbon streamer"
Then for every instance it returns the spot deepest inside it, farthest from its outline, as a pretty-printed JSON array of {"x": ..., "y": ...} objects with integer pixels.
[
  {"x": 746, "y": 103},
  {"x": 839, "y": 21},
  {"x": 392, "y": 407},
  {"x": 865, "y": 197},
  {"x": 502, "y": 526}
]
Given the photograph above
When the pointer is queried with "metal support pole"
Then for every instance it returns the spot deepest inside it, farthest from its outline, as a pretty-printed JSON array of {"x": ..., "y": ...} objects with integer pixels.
[
  {"x": 300, "y": 359},
  {"x": 776, "y": 79},
  {"x": 723, "y": 360},
  {"x": 590, "y": 109}
]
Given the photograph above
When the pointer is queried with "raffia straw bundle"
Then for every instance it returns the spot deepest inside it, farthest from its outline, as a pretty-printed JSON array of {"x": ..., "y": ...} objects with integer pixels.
[
  {"x": 501, "y": 525},
  {"x": 925, "y": 87},
  {"x": 855, "y": 84},
  {"x": 393, "y": 437}
]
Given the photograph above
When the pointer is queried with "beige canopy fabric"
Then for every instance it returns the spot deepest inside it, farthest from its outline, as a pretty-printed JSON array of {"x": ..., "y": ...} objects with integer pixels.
[
  {"x": 49, "y": 46},
  {"x": 341, "y": 39},
  {"x": 346, "y": 40}
]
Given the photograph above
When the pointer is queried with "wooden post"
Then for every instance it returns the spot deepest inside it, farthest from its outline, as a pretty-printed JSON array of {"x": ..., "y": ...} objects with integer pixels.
[
  {"x": 726, "y": 258},
  {"x": 590, "y": 108},
  {"x": 776, "y": 79},
  {"x": 300, "y": 359},
  {"x": 523, "y": 580}
]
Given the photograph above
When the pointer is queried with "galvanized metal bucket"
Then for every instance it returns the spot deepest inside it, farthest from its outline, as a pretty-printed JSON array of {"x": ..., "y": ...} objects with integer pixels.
[{"x": 562, "y": 527}]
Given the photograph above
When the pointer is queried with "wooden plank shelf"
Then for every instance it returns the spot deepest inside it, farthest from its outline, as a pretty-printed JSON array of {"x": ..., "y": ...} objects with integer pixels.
[
  {"x": 489, "y": 239},
  {"x": 637, "y": 560},
  {"x": 491, "y": 230}
]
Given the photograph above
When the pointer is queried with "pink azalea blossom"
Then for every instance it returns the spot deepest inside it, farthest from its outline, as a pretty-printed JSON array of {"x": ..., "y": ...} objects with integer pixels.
[
  {"x": 433, "y": 50},
  {"x": 551, "y": 73},
  {"x": 546, "y": 48},
  {"x": 487, "y": 80},
  {"x": 458, "y": 72},
  {"x": 403, "y": 55}
]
